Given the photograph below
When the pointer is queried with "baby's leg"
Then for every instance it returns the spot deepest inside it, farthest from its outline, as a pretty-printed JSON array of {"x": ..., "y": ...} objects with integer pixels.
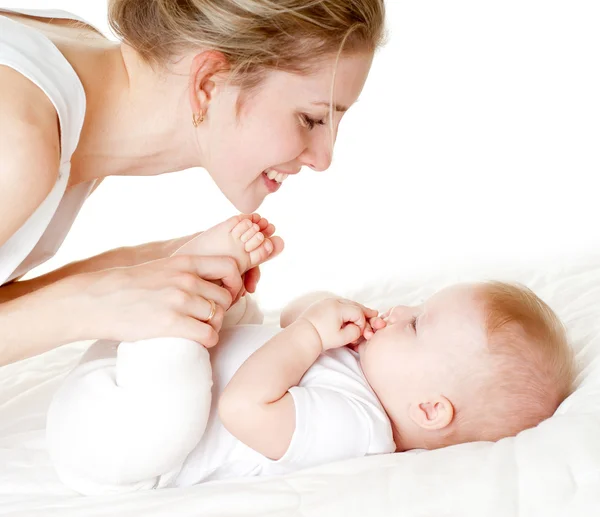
[
  {"x": 127, "y": 416},
  {"x": 245, "y": 311}
]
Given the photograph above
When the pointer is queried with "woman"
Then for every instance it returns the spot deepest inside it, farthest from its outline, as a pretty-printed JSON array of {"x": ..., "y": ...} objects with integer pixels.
[{"x": 250, "y": 90}]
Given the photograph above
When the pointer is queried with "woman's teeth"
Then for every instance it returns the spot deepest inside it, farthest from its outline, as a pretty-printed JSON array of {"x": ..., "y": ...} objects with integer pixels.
[{"x": 279, "y": 177}]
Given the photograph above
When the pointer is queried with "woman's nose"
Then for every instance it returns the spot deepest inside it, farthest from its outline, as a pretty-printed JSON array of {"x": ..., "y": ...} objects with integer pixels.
[{"x": 318, "y": 154}]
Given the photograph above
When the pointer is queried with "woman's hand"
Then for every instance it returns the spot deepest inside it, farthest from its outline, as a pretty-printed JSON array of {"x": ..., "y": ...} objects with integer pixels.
[
  {"x": 117, "y": 258},
  {"x": 251, "y": 278},
  {"x": 163, "y": 298}
]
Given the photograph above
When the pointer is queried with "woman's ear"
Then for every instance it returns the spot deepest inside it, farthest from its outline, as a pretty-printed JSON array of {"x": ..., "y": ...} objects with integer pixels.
[
  {"x": 433, "y": 414},
  {"x": 203, "y": 74}
]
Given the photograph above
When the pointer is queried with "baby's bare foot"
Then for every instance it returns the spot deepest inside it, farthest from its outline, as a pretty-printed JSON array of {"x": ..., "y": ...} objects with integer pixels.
[
  {"x": 251, "y": 246},
  {"x": 239, "y": 237}
]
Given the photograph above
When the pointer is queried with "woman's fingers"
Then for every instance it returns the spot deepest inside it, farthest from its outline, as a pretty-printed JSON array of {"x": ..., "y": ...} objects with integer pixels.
[
  {"x": 278, "y": 246},
  {"x": 200, "y": 332},
  {"x": 251, "y": 278},
  {"x": 196, "y": 287},
  {"x": 219, "y": 269},
  {"x": 167, "y": 297},
  {"x": 202, "y": 310},
  {"x": 269, "y": 230}
]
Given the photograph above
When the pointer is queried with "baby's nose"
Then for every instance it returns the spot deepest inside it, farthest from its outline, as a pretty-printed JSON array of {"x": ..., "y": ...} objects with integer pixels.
[{"x": 397, "y": 313}]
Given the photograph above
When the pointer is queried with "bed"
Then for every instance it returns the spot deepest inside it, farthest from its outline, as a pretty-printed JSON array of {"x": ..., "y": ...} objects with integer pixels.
[{"x": 552, "y": 470}]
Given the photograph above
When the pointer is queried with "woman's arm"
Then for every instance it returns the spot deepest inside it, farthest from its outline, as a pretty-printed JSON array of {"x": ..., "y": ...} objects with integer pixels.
[
  {"x": 38, "y": 322},
  {"x": 162, "y": 298},
  {"x": 120, "y": 257}
]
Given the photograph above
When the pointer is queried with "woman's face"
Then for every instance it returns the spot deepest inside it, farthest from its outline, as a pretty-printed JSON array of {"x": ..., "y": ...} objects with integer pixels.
[{"x": 279, "y": 128}]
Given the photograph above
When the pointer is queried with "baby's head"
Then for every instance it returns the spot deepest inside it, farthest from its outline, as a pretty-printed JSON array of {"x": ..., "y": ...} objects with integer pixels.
[{"x": 474, "y": 362}]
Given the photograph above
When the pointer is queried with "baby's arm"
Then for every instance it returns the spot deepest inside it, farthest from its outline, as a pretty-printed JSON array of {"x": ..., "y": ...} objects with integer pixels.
[
  {"x": 292, "y": 310},
  {"x": 255, "y": 406}
]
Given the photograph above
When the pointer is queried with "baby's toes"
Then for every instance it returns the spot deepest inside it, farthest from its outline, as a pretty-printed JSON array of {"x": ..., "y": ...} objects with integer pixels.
[
  {"x": 241, "y": 228},
  {"x": 252, "y": 239},
  {"x": 261, "y": 254},
  {"x": 269, "y": 230},
  {"x": 262, "y": 223}
]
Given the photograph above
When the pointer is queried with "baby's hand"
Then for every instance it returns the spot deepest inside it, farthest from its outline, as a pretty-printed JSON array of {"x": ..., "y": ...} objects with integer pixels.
[
  {"x": 373, "y": 325},
  {"x": 338, "y": 322}
]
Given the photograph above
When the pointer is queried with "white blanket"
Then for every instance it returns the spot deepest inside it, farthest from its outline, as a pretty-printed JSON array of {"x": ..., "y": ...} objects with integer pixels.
[{"x": 553, "y": 470}]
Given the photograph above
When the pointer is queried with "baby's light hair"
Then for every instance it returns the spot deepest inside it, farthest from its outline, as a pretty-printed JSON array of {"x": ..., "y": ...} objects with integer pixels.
[{"x": 527, "y": 372}]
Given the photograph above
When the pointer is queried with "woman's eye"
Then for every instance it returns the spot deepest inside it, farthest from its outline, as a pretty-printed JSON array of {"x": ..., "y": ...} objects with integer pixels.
[{"x": 310, "y": 122}]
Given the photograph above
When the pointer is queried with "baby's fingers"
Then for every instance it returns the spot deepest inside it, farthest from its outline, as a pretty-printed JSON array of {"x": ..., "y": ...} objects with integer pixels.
[
  {"x": 369, "y": 331},
  {"x": 350, "y": 333},
  {"x": 369, "y": 313},
  {"x": 353, "y": 313},
  {"x": 377, "y": 323}
]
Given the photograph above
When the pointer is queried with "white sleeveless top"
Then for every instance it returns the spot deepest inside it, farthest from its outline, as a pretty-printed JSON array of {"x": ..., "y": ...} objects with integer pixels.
[{"x": 31, "y": 53}]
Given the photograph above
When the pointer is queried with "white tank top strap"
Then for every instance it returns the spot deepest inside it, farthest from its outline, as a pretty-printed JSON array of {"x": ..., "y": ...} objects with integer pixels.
[
  {"x": 45, "y": 13},
  {"x": 32, "y": 54}
]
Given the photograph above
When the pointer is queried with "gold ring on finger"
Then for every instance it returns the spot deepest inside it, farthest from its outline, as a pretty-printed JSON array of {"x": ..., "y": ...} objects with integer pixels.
[{"x": 213, "y": 311}]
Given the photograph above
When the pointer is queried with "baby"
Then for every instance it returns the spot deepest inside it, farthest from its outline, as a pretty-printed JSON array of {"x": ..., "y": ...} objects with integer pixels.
[{"x": 474, "y": 362}]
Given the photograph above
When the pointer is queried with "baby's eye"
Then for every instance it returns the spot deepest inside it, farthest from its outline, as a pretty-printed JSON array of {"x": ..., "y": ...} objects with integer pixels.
[{"x": 413, "y": 323}]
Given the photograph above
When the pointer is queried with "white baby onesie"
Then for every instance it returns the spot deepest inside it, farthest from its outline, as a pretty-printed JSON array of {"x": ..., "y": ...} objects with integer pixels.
[{"x": 143, "y": 415}]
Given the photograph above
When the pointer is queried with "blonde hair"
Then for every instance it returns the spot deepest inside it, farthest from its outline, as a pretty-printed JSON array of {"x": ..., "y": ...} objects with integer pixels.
[
  {"x": 254, "y": 35},
  {"x": 529, "y": 369}
]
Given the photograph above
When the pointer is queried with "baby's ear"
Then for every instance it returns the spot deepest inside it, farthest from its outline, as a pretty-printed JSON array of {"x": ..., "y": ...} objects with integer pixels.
[{"x": 433, "y": 414}]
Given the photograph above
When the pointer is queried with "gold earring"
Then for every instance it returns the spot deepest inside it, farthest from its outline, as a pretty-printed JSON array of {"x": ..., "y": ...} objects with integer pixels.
[{"x": 197, "y": 118}]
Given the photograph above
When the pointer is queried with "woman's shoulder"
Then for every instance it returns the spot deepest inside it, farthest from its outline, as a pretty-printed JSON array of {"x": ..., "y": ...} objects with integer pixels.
[
  {"x": 50, "y": 84},
  {"x": 28, "y": 121},
  {"x": 29, "y": 147}
]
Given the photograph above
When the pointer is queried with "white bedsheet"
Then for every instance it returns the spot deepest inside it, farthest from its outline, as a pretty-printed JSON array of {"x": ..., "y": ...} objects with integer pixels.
[{"x": 553, "y": 470}]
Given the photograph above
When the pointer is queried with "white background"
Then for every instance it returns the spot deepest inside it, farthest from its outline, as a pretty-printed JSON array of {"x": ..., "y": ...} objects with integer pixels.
[{"x": 476, "y": 141}]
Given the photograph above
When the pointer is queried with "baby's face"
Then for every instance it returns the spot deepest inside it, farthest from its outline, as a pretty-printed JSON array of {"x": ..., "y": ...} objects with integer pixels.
[{"x": 422, "y": 350}]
